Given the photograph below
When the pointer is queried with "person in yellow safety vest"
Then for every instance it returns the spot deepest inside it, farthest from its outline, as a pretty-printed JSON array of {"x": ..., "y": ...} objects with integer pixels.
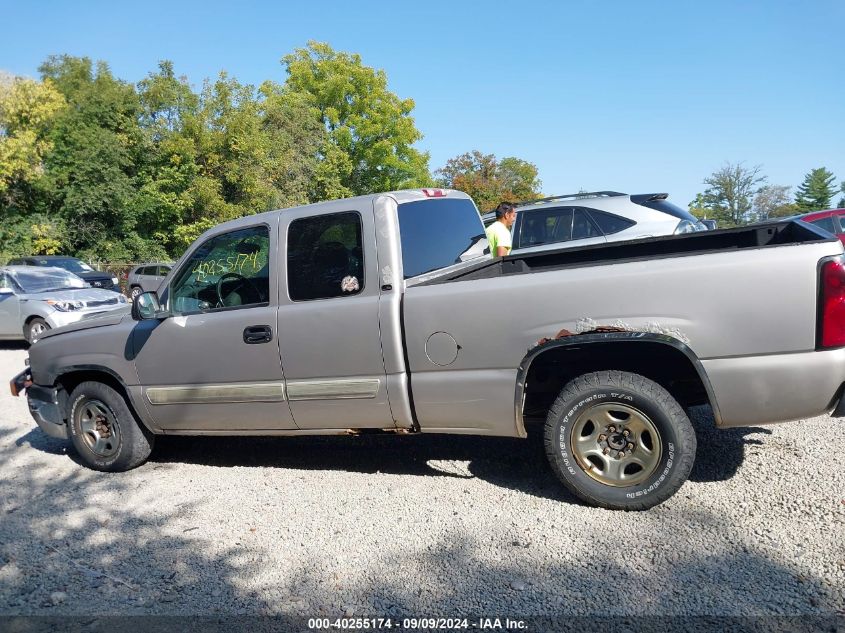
[{"x": 499, "y": 233}]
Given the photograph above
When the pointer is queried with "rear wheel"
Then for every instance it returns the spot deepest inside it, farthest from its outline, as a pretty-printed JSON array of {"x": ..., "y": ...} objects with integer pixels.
[
  {"x": 35, "y": 329},
  {"x": 619, "y": 440},
  {"x": 104, "y": 431},
  {"x": 136, "y": 290}
]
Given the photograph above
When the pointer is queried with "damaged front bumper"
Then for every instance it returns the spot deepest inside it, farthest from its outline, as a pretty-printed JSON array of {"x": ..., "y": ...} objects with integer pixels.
[{"x": 43, "y": 404}]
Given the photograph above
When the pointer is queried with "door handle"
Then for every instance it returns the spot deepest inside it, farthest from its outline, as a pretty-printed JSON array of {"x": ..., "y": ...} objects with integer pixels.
[{"x": 254, "y": 334}]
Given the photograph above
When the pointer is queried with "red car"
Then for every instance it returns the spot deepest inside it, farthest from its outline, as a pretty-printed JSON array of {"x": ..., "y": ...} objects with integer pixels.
[{"x": 831, "y": 220}]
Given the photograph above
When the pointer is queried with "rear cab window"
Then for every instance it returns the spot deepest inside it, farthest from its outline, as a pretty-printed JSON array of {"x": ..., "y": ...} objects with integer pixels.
[{"x": 439, "y": 233}]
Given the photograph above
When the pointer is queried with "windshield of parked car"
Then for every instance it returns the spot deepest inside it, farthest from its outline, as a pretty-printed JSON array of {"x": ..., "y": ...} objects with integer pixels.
[
  {"x": 46, "y": 280},
  {"x": 69, "y": 263},
  {"x": 439, "y": 233}
]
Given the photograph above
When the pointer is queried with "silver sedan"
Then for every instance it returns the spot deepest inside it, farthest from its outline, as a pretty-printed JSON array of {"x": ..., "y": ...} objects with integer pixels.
[{"x": 34, "y": 299}]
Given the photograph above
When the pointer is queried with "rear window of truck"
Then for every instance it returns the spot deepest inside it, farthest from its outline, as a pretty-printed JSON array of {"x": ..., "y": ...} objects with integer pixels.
[{"x": 439, "y": 233}]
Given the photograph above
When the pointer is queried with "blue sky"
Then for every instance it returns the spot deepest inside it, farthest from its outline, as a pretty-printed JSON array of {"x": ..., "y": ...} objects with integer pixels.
[{"x": 632, "y": 96}]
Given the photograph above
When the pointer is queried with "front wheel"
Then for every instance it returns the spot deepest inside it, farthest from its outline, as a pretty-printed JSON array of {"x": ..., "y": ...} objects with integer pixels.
[
  {"x": 35, "y": 329},
  {"x": 104, "y": 431},
  {"x": 619, "y": 441}
]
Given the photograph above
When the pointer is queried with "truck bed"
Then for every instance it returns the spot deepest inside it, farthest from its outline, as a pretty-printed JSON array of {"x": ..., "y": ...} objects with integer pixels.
[{"x": 749, "y": 237}]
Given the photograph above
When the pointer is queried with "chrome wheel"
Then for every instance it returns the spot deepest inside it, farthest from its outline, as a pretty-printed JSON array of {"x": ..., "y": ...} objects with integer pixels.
[
  {"x": 135, "y": 292},
  {"x": 615, "y": 444},
  {"x": 99, "y": 428},
  {"x": 36, "y": 329}
]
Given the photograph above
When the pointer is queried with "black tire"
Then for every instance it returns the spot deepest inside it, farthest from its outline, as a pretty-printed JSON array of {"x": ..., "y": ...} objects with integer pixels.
[
  {"x": 587, "y": 397},
  {"x": 34, "y": 328},
  {"x": 135, "y": 291},
  {"x": 132, "y": 442}
]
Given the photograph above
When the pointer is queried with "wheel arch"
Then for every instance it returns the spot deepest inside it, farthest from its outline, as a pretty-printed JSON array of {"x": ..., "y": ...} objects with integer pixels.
[
  {"x": 73, "y": 376},
  {"x": 664, "y": 359}
]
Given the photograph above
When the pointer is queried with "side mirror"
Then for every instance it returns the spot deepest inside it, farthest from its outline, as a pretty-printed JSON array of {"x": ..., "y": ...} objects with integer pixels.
[{"x": 146, "y": 306}]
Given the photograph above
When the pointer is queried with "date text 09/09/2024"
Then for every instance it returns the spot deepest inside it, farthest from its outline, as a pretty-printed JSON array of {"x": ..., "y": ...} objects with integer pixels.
[{"x": 416, "y": 623}]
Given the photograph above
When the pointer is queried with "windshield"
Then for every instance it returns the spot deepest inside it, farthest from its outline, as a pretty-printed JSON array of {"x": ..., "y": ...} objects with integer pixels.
[
  {"x": 439, "y": 233},
  {"x": 47, "y": 280},
  {"x": 69, "y": 264}
]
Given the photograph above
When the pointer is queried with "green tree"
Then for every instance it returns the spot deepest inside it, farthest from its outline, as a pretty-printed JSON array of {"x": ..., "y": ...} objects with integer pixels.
[
  {"x": 490, "y": 181},
  {"x": 27, "y": 109},
  {"x": 365, "y": 121},
  {"x": 816, "y": 191},
  {"x": 730, "y": 191},
  {"x": 169, "y": 164},
  {"x": 842, "y": 200},
  {"x": 91, "y": 169},
  {"x": 699, "y": 208}
]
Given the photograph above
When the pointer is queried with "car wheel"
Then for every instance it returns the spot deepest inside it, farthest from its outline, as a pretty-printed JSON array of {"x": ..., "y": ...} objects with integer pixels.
[
  {"x": 35, "y": 329},
  {"x": 136, "y": 290},
  {"x": 104, "y": 431},
  {"x": 619, "y": 441}
]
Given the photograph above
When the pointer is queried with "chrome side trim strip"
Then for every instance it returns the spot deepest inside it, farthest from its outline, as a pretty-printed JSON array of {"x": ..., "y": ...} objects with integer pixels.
[
  {"x": 333, "y": 389},
  {"x": 213, "y": 394}
]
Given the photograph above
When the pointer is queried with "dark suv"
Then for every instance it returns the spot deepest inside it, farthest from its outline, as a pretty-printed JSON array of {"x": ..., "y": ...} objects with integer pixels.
[{"x": 76, "y": 266}]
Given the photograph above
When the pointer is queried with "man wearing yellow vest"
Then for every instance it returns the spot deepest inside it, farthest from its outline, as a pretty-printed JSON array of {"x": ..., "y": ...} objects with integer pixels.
[{"x": 499, "y": 233}]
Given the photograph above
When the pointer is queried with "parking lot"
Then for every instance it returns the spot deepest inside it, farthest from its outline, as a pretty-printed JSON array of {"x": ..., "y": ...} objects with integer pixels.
[{"x": 415, "y": 526}]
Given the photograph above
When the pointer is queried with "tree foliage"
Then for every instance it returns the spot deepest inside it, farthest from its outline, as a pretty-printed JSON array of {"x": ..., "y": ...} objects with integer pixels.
[
  {"x": 370, "y": 129},
  {"x": 816, "y": 191},
  {"x": 730, "y": 193},
  {"x": 95, "y": 166},
  {"x": 27, "y": 108},
  {"x": 773, "y": 201},
  {"x": 490, "y": 181}
]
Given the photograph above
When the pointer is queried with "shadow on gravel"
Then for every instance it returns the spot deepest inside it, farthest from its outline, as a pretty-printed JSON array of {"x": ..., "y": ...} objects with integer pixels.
[
  {"x": 76, "y": 535},
  {"x": 69, "y": 544},
  {"x": 510, "y": 463},
  {"x": 514, "y": 464},
  {"x": 40, "y": 441},
  {"x": 720, "y": 452},
  {"x": 684, "y": 581},
  {"x": 13, "y": 345}
]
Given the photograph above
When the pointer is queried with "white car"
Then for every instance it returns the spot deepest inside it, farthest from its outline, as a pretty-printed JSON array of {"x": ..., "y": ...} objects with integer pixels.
[
  {"x": 583, "y": 219},
  {"x": 35, "y": 299}
]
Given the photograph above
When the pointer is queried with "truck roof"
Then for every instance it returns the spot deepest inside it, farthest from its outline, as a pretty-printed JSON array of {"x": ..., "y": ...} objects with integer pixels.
[{"x": 401, "y": 196}]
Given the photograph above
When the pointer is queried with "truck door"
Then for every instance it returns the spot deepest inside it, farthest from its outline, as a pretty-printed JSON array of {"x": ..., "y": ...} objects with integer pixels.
[
  {"x": 214, "y": 363},
  {"x": 328, "y": 323}
]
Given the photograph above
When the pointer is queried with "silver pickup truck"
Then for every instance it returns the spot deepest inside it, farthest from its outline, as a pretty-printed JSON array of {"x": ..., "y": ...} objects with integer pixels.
[{"x": 383, "y": 313}]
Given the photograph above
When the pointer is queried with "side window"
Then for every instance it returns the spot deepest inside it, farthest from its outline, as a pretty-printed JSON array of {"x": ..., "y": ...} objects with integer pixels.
[
  {"x": 561, "y": 227},
  {"x": 544, "y": 227},
  {"x": 5, "y": 282},
  {"x": 325, "y": 257},
  {"x": 826, "y": 224},
  {"x": 227, "y": 271},
  {"x": 583, "y": 227},
  {"x": 609, "y": 223},
  {"x": 149, "y": 270},
  {"x": 162, "y": 271},
  {"x": 533, "y": 229}
]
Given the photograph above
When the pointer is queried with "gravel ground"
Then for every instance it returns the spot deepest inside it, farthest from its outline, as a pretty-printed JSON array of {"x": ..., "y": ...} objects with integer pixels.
[{"x": 419, "y": 526}]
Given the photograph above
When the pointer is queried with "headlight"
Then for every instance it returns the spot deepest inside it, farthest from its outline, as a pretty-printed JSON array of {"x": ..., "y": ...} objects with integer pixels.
[
  {"x": 65, "y": 306},
  {"x": 115, "y": 281}
]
